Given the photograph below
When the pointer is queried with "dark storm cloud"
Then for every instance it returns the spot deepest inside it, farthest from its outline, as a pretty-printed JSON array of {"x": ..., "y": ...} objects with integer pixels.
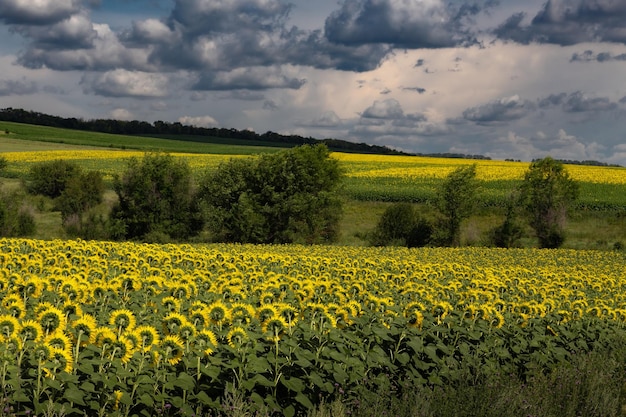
[
  {"x": 41, "y": 12},
  {"x": 579, "y": 102},
  {"x": 552, "y": 100},
  {"x": 72, "y": 33},
  {"x": 418, "y": 90},
  {"x": 502, "y": 110},
  {"x": 327, "y": 120},
  {"x": 568, "y": 22},
  {"x": 256, "y": 78},
  {"x": 403, "y": 24},
  {"x": 590, "y": 56},
  {"x": 17, "y": 87}
]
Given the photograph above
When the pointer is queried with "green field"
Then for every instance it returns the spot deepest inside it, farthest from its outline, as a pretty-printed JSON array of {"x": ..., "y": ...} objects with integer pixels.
[{"x": 37, "y": 134}]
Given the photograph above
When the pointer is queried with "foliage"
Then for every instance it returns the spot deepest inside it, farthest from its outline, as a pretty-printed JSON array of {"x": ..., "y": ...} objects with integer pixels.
[
  {"x": 81, "y": 192},
  {"x": 50, "y": 178},
  {"x": 546, "y": 194},
  {"x": 16, "y": 217},
  {"x": 156, "y": 198},
  {"x": 510, "y": 231},
  {"x": 290, "y": 196},
  {"x": 456, "y": 201},
  {"x": 402, "y": 225}
]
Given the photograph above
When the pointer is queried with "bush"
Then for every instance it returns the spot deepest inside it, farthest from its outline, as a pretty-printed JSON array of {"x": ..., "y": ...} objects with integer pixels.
[
  {"x": 509, "y": 233},
  {"x": 286, "y": 197},
  {"x": 16, "y": 217},
  {"x": 401, "y": 225},
  {"x": 50, "y": 178},
  {"x": 81, "y": 192},
  {"x": 155, "y": 198}
]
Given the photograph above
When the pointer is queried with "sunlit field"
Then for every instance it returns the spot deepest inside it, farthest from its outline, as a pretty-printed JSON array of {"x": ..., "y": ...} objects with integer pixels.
[{"x": 117, "y": 328}]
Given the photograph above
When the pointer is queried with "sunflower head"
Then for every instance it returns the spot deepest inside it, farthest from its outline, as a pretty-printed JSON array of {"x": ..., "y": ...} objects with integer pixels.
[
  {"x": 61, "y": 360},
  {"x": 274, "y": 328},
  {"x": 123, "y": 320},
  {"x": 172, "y": 348},
  {"x": 51, "y": 319},
  {"x": 147, "y": 335},
  {"x": 85, "y": 329},
  {"x": 219, "y": 313},
  {"x": 206, "y": 341},
  {"x": 59, "y": 340},
  {"x": 8, "y": 325},
  {"x": 31, "y": 330},
  {"x": 236, "y": 337}
]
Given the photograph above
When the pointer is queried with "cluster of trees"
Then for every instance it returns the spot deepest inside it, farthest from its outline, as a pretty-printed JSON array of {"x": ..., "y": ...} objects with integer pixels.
[
  {"x": 285, "y": 197},
  {"x": 543, "y": 200}
]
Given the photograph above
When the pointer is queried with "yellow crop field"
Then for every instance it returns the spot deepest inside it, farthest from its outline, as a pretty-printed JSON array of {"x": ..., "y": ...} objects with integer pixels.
[
  {"x": 125, "y": 325},
  {"x": 355, "y": 165}
]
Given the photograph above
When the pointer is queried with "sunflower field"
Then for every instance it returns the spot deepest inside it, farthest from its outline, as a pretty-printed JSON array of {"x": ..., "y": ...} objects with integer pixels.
[{"x": 120, "y": 329}]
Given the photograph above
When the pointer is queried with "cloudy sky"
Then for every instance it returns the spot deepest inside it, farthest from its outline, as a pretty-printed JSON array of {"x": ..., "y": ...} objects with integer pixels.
[{"x": 501, "y": 78}]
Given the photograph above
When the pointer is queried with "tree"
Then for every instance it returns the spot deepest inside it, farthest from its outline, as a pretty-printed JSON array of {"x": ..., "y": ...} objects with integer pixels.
[
  {"x": 401, "y": 225},
  {"x": 456, "y": 202},
  {"x": 81, "y": 192},
  {"x": 285, "y": 197},
  {"x": 546, "y": 194},
  {"x": 156, "y": 200}
]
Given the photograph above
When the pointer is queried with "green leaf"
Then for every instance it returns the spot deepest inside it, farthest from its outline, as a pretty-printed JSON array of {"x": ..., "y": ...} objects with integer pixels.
[
  {"x": 146, "y": 399},
  {"x": 294, "y": 384},
  {"x": 74, "y": 395},
  {"x": 289, "y": 411},
  {"x": 304, "y": 400},
  {"x": 184, "y": 381}
]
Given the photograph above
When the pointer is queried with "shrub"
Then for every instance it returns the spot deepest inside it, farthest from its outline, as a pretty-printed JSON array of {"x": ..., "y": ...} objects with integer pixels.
[
  {"x": 156, "y": 197},
  {"x": 81, "y": 192},
  {"x": 16, "y": 217},
  {"x": 509, "y": 233},
  {"x": 401, "y": 225},
  {"x": 50, "y": 178},
  {"x": 286, "y": 197}
]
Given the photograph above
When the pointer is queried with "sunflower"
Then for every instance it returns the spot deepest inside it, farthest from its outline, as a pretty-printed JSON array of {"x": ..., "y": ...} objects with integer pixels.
[
  {"x": 122, "y": 320},
  {"x": 199, "y": 316},
  {"x": 34, "y": 288},
  {"x": 58, "y": 339},
  {"x": 173, "y": 321},
  {"x": 274, "y": 328},
  {"x": 147, "y": 335},
  {"x": 266, "y": 311},
  {"x": 187, "y": 330},
  {"x": 206, "y": 341},
  {"x": 241, "y": 313},
  {"x": 8, "y": 325},
  {"x": 172, "y": 348},
  {"x": 11, "y": 344},
  {"x": 30, "y": 330},
  {"x": 236, "y": 337},
  {"x": 42, "y": 352},
  {"x": 123, "y": 349},
  {"x": 51, "y": 319},
  {"x": 105, "y": 337},
  {"x": 415, "y": 318},
  {"x": 84, "y": 328},
  {"x": 170, "y": 304},
  {"x": 61, "y": 360},
  {"x": 289, "y": 313},
  {"x": 16, "y": 309},
  {"x": 72, "y": 309},
  {"x": 218, "y": 313}
]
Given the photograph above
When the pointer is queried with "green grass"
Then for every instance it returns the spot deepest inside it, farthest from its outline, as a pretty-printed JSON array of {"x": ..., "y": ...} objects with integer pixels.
[{"x": 25, "y": 132}]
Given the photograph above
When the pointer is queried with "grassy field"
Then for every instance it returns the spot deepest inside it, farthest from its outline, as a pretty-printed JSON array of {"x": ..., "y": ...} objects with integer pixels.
[{"x": 35, "y": 135}]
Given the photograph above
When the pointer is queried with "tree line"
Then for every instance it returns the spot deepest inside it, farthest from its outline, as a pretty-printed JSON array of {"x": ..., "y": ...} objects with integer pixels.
[
  {"x": 177, "y": 130},
  {"x": 292, "y": 196}
]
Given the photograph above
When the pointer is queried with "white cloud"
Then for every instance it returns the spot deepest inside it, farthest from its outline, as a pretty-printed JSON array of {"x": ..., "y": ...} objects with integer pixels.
[
  {"x": 198, "y": 121},
  {"x": 123, "y": 83}
]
